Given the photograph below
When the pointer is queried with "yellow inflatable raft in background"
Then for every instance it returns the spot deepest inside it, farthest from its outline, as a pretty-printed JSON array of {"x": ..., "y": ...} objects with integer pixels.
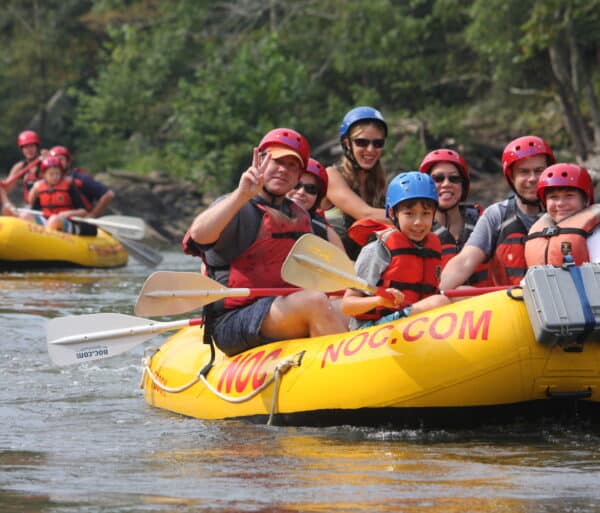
[
  {"x": 447, "y": 366},
  {"x": 27, "y": 245}
]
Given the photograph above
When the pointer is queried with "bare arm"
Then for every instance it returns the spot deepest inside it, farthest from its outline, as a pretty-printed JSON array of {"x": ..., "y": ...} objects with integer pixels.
[
  {"x": 101, "y": 204},
  {"x": 208, "y": 226},
  {"x": 461, "y": 267},
  {"x": 13, "y": 171},
  {"x": 355, "y": 303},
  {"x": 342, "y": 196}
]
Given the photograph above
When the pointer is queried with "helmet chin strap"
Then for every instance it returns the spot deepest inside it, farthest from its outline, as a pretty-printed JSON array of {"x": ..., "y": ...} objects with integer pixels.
[
  {"x": 273, "y": 197},
  {"x": 350, "y": 156}
]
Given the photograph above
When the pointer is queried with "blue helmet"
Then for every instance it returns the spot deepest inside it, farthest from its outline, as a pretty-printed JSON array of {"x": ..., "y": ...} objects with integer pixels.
[
  {"x": 361, "y": 114},
  {"x": 407, "y": 186}
]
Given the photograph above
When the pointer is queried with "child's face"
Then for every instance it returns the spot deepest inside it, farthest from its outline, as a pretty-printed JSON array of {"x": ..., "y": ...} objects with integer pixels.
[
  {"x": 52, "y": 175},
  {"x": 562, "y": 202},
  {"x": 415, "y": 220}
]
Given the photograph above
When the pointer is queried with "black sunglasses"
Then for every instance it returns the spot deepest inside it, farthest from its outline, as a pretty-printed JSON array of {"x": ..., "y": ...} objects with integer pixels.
[
  {"x": 364, "y": 143},
  {"x": 309, "y": 188},
  {"x": 451, "y": 178}
]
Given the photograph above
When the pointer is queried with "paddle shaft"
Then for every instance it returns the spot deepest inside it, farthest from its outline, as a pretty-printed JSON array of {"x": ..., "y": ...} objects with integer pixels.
[
  {"x": 233, "y": 292},
  {"x": 150, "y": 329},
  {"x": 9, "y": 181}
]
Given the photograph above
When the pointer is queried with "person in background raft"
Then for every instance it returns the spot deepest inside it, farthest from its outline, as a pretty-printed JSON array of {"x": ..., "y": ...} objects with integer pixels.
[
  {"x": 58, "y": 198},
  {"x": 29, "y": 144},
  {"x": 357, "y": 182},
  {"x": 499, "y": 235},
  {"x": 95, "y": 195},
  {"x": 244, "y": 238},
  {"x": 454, "y": 220},
  {"x": 308, "y": 193},
  {"x": 571, "y": 221},
  {"x": 405, "y": 259}
]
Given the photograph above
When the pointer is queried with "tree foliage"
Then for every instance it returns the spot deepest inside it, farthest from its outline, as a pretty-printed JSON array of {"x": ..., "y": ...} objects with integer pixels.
[{"x": 190, "y": 87}]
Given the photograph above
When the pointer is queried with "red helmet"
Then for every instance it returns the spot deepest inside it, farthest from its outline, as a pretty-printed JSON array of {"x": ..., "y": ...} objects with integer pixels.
[
  {"x": 28, "y": 137},
  {"x": 565, "y": 175},
  {"x": 51, "y": 162},
  {"x": 60, "y": 151},
  {"x": 522, "y": 147},
  {"x": 287, "y": 138},
  {"x": 446, "y": 155},
  {"x": 316, "y": 168}
]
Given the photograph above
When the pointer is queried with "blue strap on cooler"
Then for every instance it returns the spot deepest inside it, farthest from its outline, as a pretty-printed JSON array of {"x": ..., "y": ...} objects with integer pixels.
[{"x": 588, "y": 314}]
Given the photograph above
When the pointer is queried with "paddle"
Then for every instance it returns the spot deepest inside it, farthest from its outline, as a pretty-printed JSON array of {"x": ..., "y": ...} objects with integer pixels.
[
  {"x": 120, "y": 226},
  {"x": 84, "y": 338},
  {"x": 316, "y": 264},
  {"x": 172, "y": 293},
  {"x": 9, "y": 181},
  {"x": 142, "y": 253}
]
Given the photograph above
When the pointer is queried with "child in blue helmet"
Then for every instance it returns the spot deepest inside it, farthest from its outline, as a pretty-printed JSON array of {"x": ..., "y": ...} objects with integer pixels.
[{"x": 405, "y": 260}]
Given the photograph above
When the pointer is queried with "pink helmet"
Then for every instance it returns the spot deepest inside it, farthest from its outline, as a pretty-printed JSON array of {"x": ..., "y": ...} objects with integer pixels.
[
  {"x": 28, "y": 137},
  {"x": 60, "y": 151},
  {"x": 565, "y": 175},
  {"x": 316, "y": 168},
  {"x": 446, "y": 155},
  {"x": 49, "y": 162},
  {"x": 289, "y": 139},
  {"x": 522, "y": 147}
]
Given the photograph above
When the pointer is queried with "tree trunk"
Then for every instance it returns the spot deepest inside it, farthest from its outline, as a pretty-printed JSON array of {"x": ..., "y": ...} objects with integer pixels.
[{"x": 573, "y": 118}]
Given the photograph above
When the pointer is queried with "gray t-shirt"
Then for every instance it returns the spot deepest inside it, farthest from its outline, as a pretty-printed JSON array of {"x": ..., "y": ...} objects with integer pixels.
[
  {"x": 372, "y": 261},
  {"x": 486, "y": 231}
]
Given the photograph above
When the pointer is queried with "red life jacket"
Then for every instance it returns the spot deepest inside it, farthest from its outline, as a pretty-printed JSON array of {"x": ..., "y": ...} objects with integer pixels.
[
  {"x": 451, "y": 246},
  {"x": 32, "y": 176},
  {"x": 260, "y": 264},
  {"x": 507, "y": 265},
  {"x": 546, "y": 238},
  {"x": 54, "y": 200},
  {"x": 413, "y": 269}
]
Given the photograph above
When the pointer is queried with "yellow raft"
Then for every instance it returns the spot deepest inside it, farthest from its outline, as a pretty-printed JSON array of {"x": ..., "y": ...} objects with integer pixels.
[
  {"x": 24, "y": 244},
  {"x": 472, "y": 361}
]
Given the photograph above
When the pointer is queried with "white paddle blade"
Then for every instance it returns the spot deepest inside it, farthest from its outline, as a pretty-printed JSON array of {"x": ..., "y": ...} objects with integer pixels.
[
  {"x": 315, "y": 264},
  {"x": 83, "y": 338},
  {"x": 173, "y": 293},
  {"x": 122, "y": 226}
]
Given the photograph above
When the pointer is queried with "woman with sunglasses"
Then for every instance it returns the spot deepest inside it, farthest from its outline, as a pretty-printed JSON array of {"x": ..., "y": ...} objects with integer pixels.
[
  {"x": 357, "y": 182},
  {"x": 454, "y": 220},
  {"x": 308, "y": 193}
]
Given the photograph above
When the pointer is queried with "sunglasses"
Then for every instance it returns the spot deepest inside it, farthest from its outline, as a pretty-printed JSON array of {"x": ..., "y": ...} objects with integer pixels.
[
  {"x": 452, "y": 178},
  {"x": 309, "y": 188},
  {"x": 364, "y": 143}
]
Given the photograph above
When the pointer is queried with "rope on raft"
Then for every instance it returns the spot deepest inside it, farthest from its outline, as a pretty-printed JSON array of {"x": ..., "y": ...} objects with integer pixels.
[{"x": 280, "y": 369}]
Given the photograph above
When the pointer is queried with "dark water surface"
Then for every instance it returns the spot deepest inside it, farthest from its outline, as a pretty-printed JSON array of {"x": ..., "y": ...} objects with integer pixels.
[{"x": 82, "y": 439}]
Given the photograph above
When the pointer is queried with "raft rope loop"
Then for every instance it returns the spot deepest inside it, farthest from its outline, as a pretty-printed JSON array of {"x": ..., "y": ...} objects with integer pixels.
[{"x": 281, "y": 368}]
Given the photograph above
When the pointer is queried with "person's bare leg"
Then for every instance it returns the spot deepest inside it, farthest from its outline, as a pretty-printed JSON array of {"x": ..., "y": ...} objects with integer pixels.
[{"x": 302, "y": 314}]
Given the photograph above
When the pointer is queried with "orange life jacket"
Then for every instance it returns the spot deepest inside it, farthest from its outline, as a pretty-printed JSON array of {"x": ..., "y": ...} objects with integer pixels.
[
  {"x": 56, "y": 199},
  {"x": 547, "y": 239},
  {"x": 260, "y": 264},
  {"x": 507, "y": 265}
]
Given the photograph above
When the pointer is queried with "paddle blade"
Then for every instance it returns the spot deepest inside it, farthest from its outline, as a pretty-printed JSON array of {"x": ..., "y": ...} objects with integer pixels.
[
  {"x": 95, "y": 341},
  {"x": 173, "y": 293},
  {"x": 315, "y": 264},
  {"x": 141, "y": 252},
  {"x": 121, "y": 226}
]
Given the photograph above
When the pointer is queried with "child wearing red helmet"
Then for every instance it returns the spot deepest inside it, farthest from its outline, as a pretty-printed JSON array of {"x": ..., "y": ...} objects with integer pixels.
[
  {"x": 58, "y": 198},
  {"x": 571, "y": 222}
]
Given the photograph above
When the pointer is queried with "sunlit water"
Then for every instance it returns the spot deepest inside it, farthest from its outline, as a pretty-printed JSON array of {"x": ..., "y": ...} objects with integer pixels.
[{"x": 82, "y": 439}]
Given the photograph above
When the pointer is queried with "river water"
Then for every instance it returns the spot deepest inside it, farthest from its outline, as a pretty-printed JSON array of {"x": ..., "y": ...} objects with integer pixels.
[{"x": 82, "y": 438}]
